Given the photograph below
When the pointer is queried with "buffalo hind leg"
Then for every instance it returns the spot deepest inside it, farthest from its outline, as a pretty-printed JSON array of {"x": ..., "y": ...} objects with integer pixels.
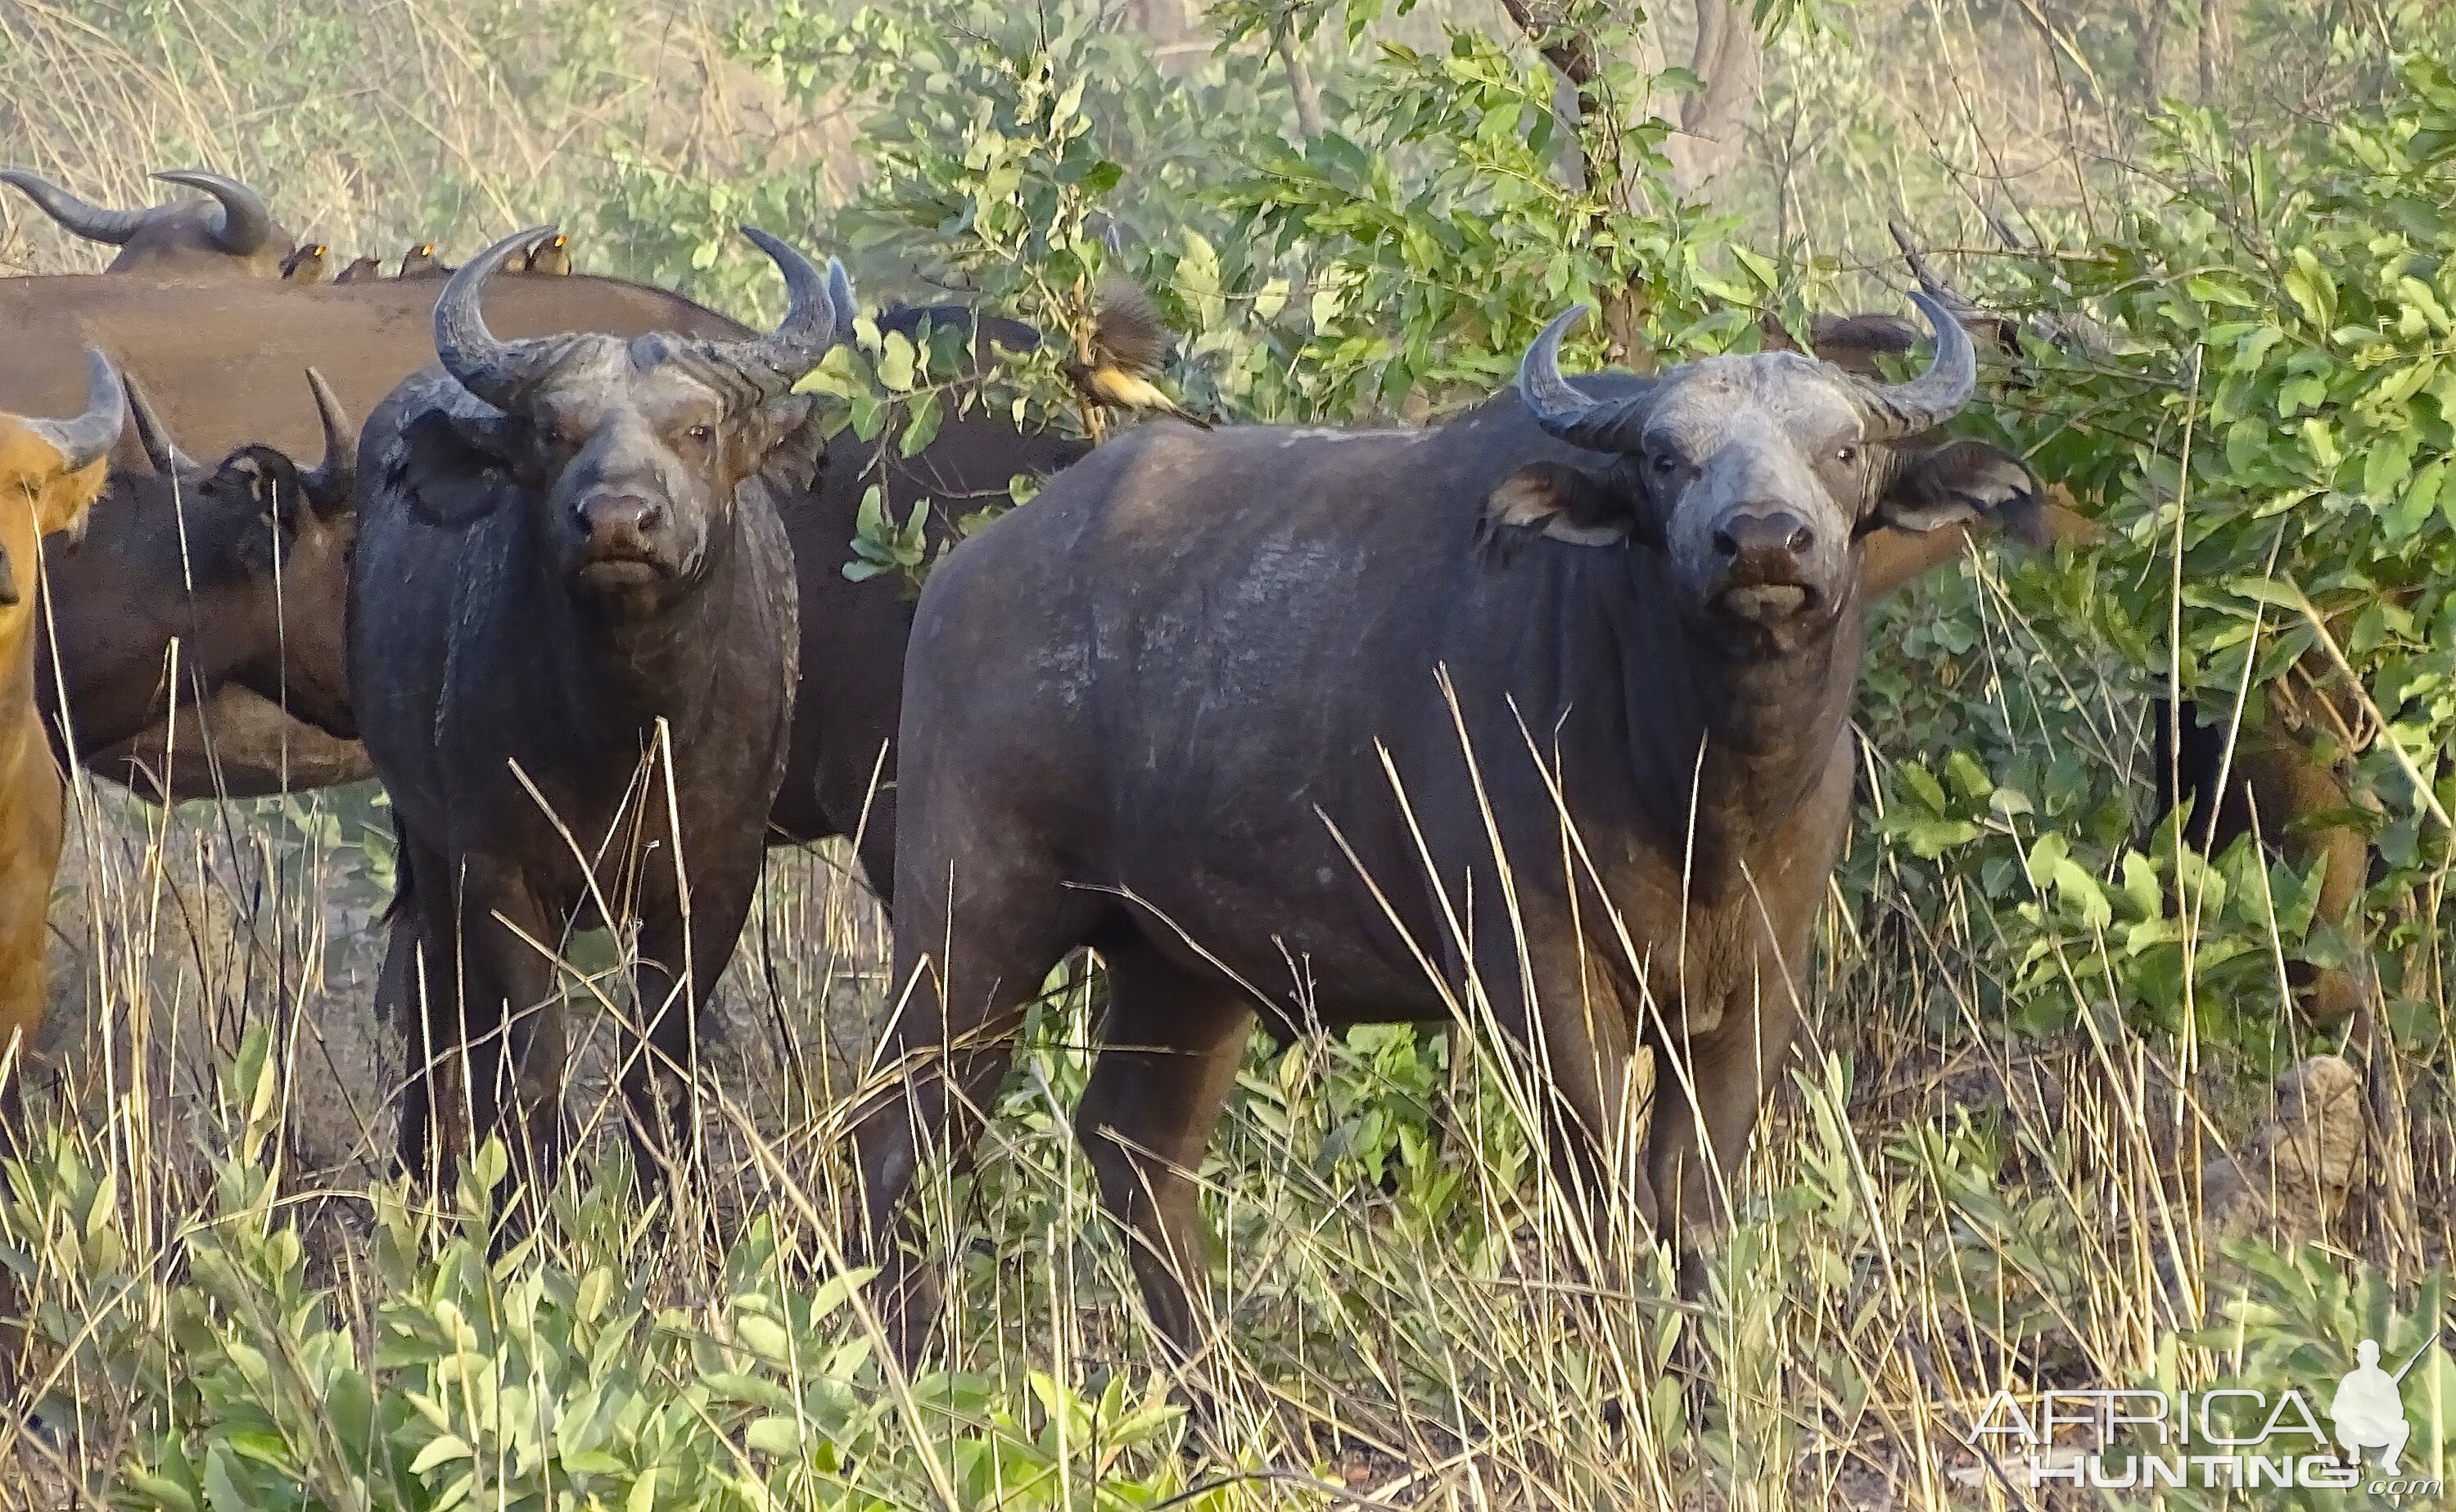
[{"x": 1170, "y": 1046}]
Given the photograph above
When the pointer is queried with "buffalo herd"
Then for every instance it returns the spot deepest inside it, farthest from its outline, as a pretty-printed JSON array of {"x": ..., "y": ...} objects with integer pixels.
[{"x": 1540, "y": 715}]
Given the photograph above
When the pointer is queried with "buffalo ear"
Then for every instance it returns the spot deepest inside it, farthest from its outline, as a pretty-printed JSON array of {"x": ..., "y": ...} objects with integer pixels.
[
  {"x": 456, "y": 467},
  {"x": 1963, "y": 481},
  {"x": 1583, "y": 507},
  {"x": 269, "y": 481},
  {"x": 788, "y": 446}
]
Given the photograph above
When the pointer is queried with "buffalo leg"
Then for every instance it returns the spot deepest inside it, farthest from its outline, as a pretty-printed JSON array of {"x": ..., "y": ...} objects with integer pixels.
[
  {"x": 1171, "y": 1043},
  {"x": 671, "y": 1018},
  {"x": 1730, "y": 1068},
  {"x": 489, "y": 1026},
  {"x": 2291, "y": 787},
  {"x": 1574, "y": 1027},
  {"x": 968, "y": 960}
]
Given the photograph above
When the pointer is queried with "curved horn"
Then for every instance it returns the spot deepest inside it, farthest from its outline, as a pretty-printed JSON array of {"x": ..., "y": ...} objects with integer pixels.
[
  {"x": 91, "y": 221},
  {"x": 491, "y": 369},
  {"x": 1556, "y": 405},
  {"x": 246, "y": 221},
  {"x": 1895, "y": 410},
  {"x": 88, "y": 438},
  {"x": 778, "y": 360},
  {"x": 840, "y": 295},
  {"x": 161, "y": 448},
  {"x": 331, "y": 487}
]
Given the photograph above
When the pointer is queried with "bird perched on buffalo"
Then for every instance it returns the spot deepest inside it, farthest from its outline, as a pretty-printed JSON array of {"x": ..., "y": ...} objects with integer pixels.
[
  {"x": 305, "y": 264},
  {"x": 364, "y": 270},
  {"x": 420, "y": 262},
  {"x": 551, "y": 257},
  {"x": 1129, "y": 347}
]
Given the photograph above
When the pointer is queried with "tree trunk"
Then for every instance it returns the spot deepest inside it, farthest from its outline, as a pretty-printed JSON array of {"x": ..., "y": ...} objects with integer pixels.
[
  {"x": 1714, "y": 119},
  {"x": 2212, "y": 48},
  {"x": 2152, "y": 33}
]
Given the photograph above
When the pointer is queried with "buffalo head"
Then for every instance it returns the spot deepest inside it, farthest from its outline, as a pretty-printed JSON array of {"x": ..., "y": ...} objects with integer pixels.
[
  {"x": 632, "y": 448},
  {"x": 232, "y": 233},
  {"x": 1756, "y": 476},
  {"x": 265, "y": 545},
  {"x": 50, "y": 472}
]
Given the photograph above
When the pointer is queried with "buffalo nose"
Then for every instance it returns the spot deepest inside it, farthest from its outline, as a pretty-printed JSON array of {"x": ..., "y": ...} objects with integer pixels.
[
  {"x": 1779, "y": 531},
  {"x": 619, "y": 520}
]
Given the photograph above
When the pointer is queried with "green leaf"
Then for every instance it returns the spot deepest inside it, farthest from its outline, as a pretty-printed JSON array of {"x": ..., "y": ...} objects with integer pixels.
[
  {"x": 921, "y": 428},
  {"x": 896, "y": 363},
  {"x": 442, "y": 1450}
]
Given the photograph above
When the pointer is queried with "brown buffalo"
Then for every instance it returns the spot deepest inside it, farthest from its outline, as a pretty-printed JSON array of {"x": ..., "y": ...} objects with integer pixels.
[
  {"x": 1159, "y": 713},
  {"x": 49, "y": 473},
  {"x": 233, "y": 235}
]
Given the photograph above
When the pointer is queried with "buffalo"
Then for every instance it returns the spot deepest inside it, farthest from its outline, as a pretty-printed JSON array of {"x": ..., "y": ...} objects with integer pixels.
[
  {"x": 1546, "y": 709},
  {"x": 572, "y": 645},
  {"x": 49, "y": 473},
  {"x": 230, "y": 235},
  {"x": 242, "y": 565}
]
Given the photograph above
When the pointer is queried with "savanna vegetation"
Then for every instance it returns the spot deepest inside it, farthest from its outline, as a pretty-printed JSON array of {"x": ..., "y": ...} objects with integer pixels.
[{"x": 2080, "y": 1105}]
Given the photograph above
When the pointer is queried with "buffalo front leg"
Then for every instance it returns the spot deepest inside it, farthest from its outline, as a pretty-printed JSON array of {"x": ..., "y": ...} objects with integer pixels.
[
  {"x": 486, "y": 1043},
  {"x": 32, "y": 822},
  {"x": 969, "y": 959},
  {"x": 1169, "y": 1045},
  {"x": 674, "y": 1003},
  {"x": 1709, "y": 1087},
  {"x": 1553, "y": 998}
]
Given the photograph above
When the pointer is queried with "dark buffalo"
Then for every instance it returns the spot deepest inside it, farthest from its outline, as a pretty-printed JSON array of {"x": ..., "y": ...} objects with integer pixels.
[
  {"x": 242, "y": 565},
  {"x": 572, "y": 633},
  {"x": 230, "y": 235},
  {"x": 1150, "y": 714}
]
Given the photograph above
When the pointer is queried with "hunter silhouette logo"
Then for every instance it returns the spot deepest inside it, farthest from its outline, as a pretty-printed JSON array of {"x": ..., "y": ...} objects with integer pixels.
[{"x": 2369, "y": 1408}]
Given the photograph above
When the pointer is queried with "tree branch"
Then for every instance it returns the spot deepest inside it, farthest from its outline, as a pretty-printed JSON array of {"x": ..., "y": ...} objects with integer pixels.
[{"x": 1300, "y": 83}]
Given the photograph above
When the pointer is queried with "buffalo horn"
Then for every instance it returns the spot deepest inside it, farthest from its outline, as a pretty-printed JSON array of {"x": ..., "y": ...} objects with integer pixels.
[
  {"x": 330, "y": 487},
  {"x": 246, "y": 221},
  {"x": 1896, "y": 410},
  {"x": 88, "y": 438},
  {"x": 492, "y": 369},
  {"x": 91, "y": 221},
  {"x": 778, "y": 360},
  {"x": 1555, "y": 403},
  {"x": 161, "y": 448}
]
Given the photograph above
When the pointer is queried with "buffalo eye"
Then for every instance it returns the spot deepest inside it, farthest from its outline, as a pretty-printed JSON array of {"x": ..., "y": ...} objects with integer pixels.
[
  {"x": 1846, "y": 455},
  {"x": 1664, "y": 463},
  {"x": 701, "y": 434}
]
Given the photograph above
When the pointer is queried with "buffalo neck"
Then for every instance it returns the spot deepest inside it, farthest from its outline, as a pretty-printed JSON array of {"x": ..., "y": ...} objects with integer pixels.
[{"x": 1720, "y": 751}]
